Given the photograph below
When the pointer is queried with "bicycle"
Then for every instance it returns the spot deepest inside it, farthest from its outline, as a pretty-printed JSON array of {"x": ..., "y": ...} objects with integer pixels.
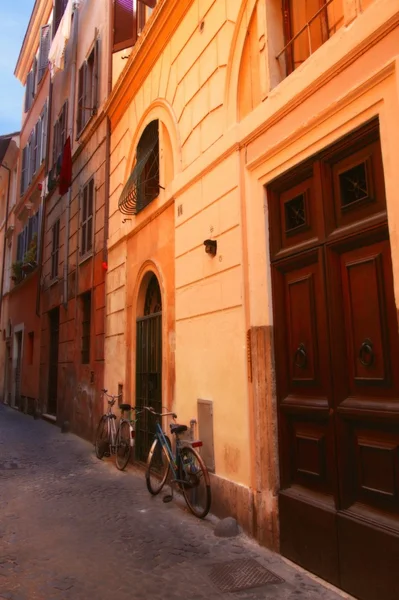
[
  {"x": 188, "y": 469},
  {"x": 110, "y": 440}
]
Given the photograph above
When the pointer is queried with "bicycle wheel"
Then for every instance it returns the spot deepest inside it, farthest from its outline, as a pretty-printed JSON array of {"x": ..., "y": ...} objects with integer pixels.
[
  {"x": 196, "y": 484},
  {"x": 123, "y": 445},
  {"x": 101, "y": 444},
  {"x": 157, "y": 468}
]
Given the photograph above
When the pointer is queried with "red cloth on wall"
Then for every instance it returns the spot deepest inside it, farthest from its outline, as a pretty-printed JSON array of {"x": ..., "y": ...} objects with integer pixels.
[{"x": 65, "y": 180}]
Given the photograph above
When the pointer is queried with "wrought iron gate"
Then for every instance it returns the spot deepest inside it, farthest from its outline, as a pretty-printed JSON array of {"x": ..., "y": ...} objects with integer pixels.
[{"x": 148, "y": 378}]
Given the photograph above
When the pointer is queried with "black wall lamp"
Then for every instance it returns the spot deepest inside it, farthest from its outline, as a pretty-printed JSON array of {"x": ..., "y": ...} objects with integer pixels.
[{"x": 211, "y": 247}]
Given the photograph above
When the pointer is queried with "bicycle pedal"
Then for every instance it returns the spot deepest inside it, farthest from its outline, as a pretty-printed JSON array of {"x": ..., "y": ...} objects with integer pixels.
[{"x": 167, "y": 498}]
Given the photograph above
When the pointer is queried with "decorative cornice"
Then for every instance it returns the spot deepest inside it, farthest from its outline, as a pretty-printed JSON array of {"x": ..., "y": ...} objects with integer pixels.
[
  {"x": 145, "y": 53},
  {"x": 40, "y": 15}
]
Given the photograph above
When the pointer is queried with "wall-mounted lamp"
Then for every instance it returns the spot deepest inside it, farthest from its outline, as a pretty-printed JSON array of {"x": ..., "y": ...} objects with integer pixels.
[{"x": 211, "y": 247}]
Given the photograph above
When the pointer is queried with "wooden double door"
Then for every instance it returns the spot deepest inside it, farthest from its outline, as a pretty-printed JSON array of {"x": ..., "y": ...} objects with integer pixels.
[{"x": 337, "y": 367}]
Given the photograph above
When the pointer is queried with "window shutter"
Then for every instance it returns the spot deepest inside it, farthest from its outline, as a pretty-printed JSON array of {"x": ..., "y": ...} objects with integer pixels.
[
  {"x": 63, "y": 132},
  {"x": 81, "y": 98},
  {"x": 34, "y": 78},
  {"x": 90, "y": 203},
  {"x": 55, "y": 140},
  {"x": 124, "y": 34},
  {"x": 45, "y": 40},
  {"x": 43, "y": 143},
  {"x": 25, "y": 244},
  {"x": 95, "y": 84},
  {"x": 84, "y": 220},
  {"x": 38, "y": 155},
  {"x": 31, "y": 165},
  {"x": 28, "y": 92},
  {"x": 23, "y": 169}
]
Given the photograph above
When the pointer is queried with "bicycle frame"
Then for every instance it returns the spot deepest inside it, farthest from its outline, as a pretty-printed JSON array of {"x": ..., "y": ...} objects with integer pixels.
[
  {"x": 173, "y": 459},
  {"x": 111, "y": 427}
]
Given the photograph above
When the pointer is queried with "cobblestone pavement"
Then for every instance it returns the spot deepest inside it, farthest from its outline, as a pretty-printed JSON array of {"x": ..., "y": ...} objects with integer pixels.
[{"x": 74, "y": 528}]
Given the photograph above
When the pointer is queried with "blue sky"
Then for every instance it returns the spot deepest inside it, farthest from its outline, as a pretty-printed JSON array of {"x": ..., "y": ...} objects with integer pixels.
[{"x": 14, "y": 19}]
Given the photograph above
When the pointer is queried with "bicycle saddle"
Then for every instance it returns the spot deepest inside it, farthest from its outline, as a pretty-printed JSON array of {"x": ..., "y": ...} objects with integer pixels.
[
  {"x": 175, "y": 428},
  {"x": 125, "y": 407}
]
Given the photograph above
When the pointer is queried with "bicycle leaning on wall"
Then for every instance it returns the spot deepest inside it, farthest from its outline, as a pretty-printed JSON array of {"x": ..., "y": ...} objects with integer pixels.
[
  {"x": 112, "y": 440},
  {"x": 188, "y": 469}
]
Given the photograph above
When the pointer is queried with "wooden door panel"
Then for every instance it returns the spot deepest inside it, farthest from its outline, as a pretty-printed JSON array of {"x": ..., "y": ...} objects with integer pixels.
[
  {"x": 368, "y": 559},
  {"x": 377, "y": 467},
  {"x": 365, "y": 352},
  {"x": 365, "y": 316},
  {"x": 364, "y": 330},
  {"x": 303, "y": 372},
  {"x": 302, "y": 338}
]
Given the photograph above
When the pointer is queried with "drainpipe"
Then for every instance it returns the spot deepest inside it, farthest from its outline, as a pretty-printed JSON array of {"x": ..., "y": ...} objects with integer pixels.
[
  {"x": 43, "y": 223},
  {"x": 5, "y": 231},
  {"x": 70, "y": 130}
]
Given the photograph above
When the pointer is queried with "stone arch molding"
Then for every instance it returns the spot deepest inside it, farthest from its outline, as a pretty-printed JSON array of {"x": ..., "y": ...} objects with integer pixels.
[
  {"x": 159, "y": 109},
  {"x": 148, "y": 269},
  {"x": 234, "y": 63}
]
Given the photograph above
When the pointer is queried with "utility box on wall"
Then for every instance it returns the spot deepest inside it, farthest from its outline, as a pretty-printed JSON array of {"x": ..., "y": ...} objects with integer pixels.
[{"x": 205, "y": 432}]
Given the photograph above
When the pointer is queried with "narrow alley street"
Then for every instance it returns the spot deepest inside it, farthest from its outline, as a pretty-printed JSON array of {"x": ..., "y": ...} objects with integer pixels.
[{"x": 73, "y": 527}]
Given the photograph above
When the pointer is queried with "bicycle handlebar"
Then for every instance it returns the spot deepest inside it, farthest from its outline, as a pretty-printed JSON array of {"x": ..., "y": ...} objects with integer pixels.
[{"x": 166, "y": 414}]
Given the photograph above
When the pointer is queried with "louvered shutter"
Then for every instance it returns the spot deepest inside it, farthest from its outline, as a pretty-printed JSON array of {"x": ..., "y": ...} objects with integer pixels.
[
  {"x": 25, "y": 242},
  {"x": 124, "y": 34},
  {"x": 43, "y": 143},
  {"x": 31, "y": 162},
  {"x": 95, "y": 83},
  {"x": 81, "y": 98},
  {"x": 45, "y": 41},
  {"x": 64, "y": 117},
  {"x": 34, "y": 79},
  {"x": 38, "y": 154},
  {"x": 56, "y": 130},
  {"x": 28, "y": 91},
  {"x": 23, "y": 169}
]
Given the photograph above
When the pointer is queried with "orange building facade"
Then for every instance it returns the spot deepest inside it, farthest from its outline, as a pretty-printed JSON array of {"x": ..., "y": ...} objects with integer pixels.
[
  {"x": 255, "y": 290},
  {"x": 227, "y": 247}
]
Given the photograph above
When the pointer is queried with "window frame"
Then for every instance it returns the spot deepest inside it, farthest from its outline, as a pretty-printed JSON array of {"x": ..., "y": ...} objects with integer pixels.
[
  {"x": 144, "y": 179},
  {"x": 88, "y": 201},
  {"x": 290, "y": 37},
  {"x": 128, "y": 27},
  {"x": 60, "y": 128},
  {"x": 55, "y": 247},
  {"x": 88, "y": 89}
]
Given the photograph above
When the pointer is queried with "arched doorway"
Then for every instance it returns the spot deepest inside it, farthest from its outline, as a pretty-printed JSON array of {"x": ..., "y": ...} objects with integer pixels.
[{"x": 148, "y": 363}]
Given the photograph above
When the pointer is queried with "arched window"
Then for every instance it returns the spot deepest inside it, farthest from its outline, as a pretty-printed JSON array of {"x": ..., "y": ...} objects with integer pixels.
[
  {"x": 143, "y": 184},
  {"x": 153, "y": 300}
]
